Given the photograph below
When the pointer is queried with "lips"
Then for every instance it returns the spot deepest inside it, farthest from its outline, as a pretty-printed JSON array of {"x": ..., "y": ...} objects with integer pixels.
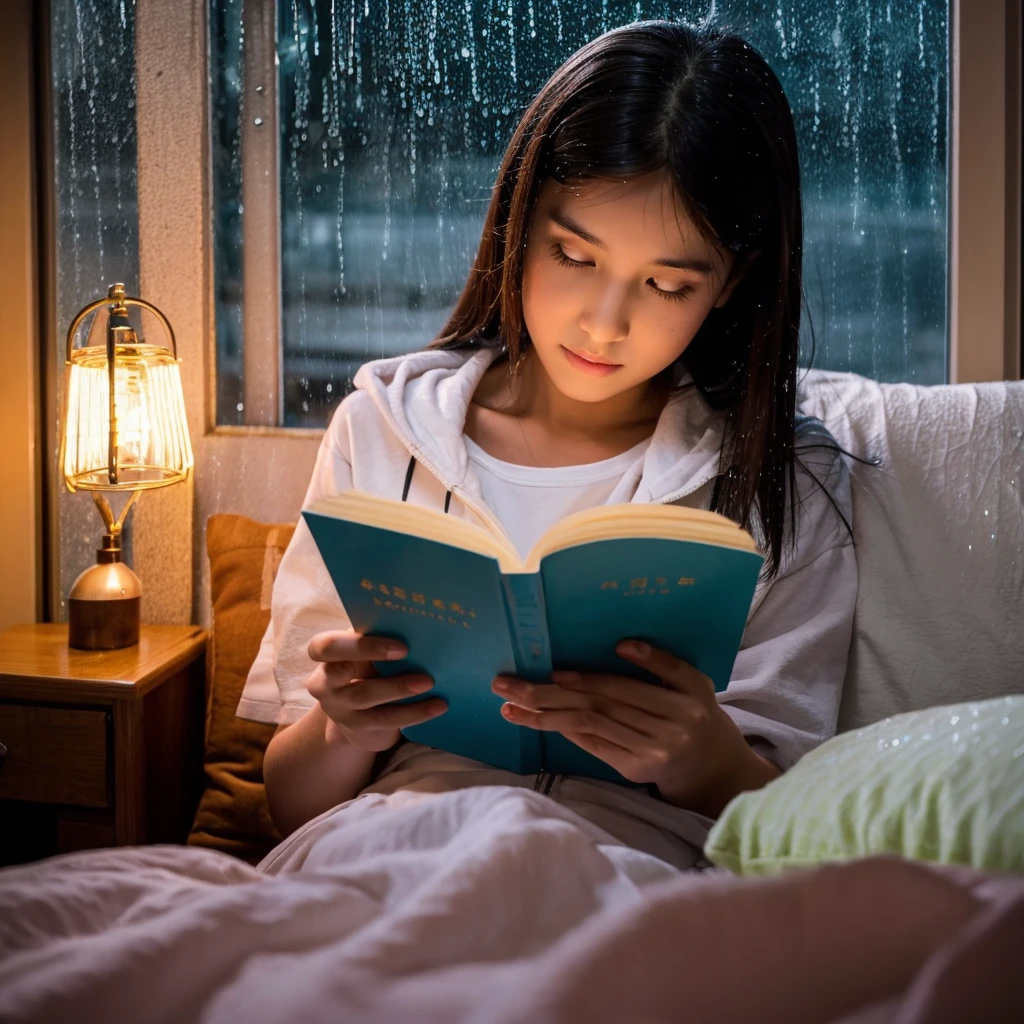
[
  {"x": 596, "y": 360},
  {"x": 589, "y": 365}
]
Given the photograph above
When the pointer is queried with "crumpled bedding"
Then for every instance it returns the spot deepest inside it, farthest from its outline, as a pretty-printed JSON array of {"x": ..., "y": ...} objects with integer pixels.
[{"x": 496, "y": 904}]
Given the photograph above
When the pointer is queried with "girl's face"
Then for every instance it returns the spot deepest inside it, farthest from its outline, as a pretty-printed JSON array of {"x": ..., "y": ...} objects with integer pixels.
[{"x": 616, "y": 282}]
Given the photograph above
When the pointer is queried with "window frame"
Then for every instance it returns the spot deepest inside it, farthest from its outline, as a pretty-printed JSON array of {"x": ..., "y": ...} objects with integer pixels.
[
  {"x": 984, "y": 297},
  {"x": 262, "y": 352},
  {"x": 262, "y": 470}
]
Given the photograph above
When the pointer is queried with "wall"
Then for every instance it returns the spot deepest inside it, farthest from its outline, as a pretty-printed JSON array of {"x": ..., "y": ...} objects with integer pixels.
[{"x": 21, "y": 591}]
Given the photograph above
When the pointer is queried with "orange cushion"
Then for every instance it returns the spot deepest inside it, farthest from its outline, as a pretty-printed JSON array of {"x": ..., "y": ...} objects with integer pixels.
[{"x": 232, "y": 814}]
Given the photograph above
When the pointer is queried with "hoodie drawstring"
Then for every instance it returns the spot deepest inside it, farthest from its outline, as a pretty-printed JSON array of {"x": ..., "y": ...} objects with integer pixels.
[{"x": 408, "y": 481}]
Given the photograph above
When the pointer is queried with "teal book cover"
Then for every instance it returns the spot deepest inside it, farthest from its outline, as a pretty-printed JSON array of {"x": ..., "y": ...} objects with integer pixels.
[{"x": 466, "y": 621}]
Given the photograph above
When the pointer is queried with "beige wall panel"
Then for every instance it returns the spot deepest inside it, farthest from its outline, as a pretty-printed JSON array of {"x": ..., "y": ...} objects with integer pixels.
[
  {"x": 171, "y": 273},
  {"x": 263, "y": 477},
  {"x": 20, "y": 516}
]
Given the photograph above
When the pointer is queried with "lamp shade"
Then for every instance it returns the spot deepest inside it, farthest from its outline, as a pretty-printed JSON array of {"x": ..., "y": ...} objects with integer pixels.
[{"x": 139, "y": 439}]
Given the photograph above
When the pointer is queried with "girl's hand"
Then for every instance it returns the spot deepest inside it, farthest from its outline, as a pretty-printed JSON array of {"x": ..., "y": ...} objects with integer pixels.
[
  {"x": 356, "y": 699},
  {"x": 675, "y": 736}
]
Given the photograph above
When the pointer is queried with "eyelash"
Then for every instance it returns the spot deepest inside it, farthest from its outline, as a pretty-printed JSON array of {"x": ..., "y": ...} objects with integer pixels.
[{"x": 568, "y": 261}]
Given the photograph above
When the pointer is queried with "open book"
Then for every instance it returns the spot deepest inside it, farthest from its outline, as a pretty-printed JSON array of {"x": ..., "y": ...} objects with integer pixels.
[{"x": 469, "y": 608}]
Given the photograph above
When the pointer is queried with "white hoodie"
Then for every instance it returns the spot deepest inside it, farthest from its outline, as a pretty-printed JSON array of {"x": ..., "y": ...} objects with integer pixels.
[{"x": 786, "y": 683}]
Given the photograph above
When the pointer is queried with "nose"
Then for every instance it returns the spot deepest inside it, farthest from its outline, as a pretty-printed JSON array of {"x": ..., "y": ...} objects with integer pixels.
[{"x": 606, "y": 317}]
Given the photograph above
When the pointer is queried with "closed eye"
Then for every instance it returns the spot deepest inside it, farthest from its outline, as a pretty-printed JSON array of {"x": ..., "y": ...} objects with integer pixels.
[{"x": 567, "y": 261}]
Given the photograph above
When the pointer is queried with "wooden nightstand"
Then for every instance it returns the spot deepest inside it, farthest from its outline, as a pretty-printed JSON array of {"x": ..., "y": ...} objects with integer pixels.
[{"x": 104, "y": 748}]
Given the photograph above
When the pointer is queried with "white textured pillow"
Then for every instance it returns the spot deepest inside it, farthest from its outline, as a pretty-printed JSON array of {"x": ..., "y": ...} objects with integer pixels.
[{"x": 939, "y": 531}]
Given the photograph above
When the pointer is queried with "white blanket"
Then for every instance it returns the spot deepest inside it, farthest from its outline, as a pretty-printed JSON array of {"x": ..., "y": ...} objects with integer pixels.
[
  {"x": 386, "y": 909},
  {"x": 495, "y": 904}
]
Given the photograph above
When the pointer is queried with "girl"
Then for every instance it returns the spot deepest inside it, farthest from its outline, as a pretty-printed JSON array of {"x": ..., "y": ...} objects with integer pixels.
[{"x": 628, "y": 332}]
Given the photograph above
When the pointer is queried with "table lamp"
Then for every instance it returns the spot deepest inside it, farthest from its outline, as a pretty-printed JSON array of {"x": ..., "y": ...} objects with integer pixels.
[{"x": 124, "y": 429}]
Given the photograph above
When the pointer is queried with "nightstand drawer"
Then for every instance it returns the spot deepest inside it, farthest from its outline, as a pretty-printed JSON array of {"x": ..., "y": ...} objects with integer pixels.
[{"x": 54, "y": 755}]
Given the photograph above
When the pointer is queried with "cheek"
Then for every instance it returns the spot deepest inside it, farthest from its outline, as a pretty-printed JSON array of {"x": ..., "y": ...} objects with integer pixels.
[
  {"x": 668, "y": 326},
  {"x": 547, "y": 294},
  {"x": 538, "y": 293}
]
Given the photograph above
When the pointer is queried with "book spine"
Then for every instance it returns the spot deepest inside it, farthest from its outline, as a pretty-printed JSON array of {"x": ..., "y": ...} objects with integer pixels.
[{"x": 528, "y": 625}]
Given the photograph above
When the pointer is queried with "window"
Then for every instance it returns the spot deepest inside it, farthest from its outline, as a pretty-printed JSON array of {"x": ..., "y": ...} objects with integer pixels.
[
  {"x": 391, "y": 121},
  {"x": 95, "y": 204},
  {"x": 153, "y": 145}
]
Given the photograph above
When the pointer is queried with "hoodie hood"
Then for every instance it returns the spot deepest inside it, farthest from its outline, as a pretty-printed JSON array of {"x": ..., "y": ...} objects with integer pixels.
[{"x": 424, "y": 397}]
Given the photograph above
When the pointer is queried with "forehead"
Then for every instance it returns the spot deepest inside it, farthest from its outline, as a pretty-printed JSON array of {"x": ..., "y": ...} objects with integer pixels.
[{"x": 646, "y": 211}]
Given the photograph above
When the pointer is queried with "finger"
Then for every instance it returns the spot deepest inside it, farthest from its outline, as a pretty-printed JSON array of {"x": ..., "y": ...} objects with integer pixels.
[
  {"x": 579, "y": 720},
  {"x": 622, "y": 760},
  {"x": 360, "y": 694},
  {"x": 661, "y": 702},
  {"x": 347, "y": 645},
  {"x": 661, "y": 719},
  {"x": 341, "y": 673},
  {"x": 396, "y": 716},
  {"x": 674, "y": 672},
  {"x": 333, "y": 645},
  {"x": 534, "y": 695}
]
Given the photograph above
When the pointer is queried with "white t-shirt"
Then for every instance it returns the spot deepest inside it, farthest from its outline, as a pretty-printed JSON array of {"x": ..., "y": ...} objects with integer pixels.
[{"x": 527, "y": 500}]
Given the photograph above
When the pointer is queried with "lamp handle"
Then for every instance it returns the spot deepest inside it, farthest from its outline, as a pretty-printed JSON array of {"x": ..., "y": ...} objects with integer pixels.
[{"x": 116, "y": 298}]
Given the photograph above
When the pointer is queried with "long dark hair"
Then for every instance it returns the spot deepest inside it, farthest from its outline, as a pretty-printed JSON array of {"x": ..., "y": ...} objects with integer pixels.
[{"x": 704, "y": 104}]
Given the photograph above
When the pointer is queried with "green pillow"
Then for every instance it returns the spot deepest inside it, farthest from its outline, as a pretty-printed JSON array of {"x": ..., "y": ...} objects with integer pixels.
[{"x": 942, "y": 784}]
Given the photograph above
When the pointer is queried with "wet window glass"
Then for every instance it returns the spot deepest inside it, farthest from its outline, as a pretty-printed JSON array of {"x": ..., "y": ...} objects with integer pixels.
[
  {"x": 393, "y": 116},
  {"x": 95, "y": 207}
]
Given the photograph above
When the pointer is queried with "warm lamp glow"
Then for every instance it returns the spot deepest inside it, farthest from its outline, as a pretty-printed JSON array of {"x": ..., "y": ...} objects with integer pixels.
[
  {"x": 124, "y": 429},
  {"x": 150, "y": 445}
]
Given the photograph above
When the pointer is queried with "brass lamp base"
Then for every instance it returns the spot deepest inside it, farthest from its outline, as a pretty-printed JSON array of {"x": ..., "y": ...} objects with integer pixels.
[{"x": 103, "y": 606}]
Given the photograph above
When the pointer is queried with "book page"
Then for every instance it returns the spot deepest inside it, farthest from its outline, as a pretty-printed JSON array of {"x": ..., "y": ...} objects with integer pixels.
[
  {"x": 668, "y": 522},
  {"x": 417, "y": 521}
]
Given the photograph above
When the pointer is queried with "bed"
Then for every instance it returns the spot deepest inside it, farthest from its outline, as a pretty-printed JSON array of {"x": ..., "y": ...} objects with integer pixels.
[{"x": 498, "y": 904}]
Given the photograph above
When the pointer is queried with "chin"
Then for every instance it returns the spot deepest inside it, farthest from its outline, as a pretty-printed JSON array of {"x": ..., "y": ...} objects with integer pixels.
[{"x": 596, "y": 390}]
